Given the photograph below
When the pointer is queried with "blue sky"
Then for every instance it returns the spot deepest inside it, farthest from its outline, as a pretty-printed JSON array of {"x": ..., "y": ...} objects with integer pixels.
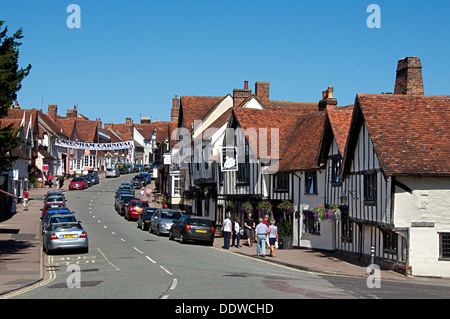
[{"x": 130, "y": 58}]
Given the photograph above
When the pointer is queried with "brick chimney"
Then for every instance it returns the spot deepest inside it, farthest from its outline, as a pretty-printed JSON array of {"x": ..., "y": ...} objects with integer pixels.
[
  {"x": 240, "y": 95},
  {"x": 409, "y": 79},
  {"x": 52, "y": 111},
  {"x": 99, "y": 122},
  {"x": 128, "y": 120},
  {"x": 262, "y": 92},
  {"x": 145, "y": 120},
  {"x": 72, "y": 113},
  {"x": 175, "y": 110},
  {"x": 327, "y": 99}
]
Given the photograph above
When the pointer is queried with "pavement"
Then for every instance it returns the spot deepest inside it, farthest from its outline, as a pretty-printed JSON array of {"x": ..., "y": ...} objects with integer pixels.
[{"x": 22, "y": 258}]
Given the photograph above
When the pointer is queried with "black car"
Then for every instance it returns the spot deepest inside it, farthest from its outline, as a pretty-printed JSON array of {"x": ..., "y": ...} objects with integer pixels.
[
  {"x": 139, "y": 181},
  {"x": 191, "y": 227},
  {"x": 124, "y": 203},
  {"x": 119, "y": 198},
  {"x": 143, "y": 221}
]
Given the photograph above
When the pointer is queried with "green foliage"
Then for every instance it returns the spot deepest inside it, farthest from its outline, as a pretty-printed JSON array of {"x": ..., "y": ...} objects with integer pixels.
[{"x": 10, "y": 83}]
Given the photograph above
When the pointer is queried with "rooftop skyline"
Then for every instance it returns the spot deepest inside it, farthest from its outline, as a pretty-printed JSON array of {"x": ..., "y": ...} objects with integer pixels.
[{"x": 129, "y": 59}]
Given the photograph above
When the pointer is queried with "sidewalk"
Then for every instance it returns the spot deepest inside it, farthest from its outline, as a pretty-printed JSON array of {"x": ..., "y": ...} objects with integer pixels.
[
  {"x": 323, "y": 262},
  {"x": 21, "y": 257}
]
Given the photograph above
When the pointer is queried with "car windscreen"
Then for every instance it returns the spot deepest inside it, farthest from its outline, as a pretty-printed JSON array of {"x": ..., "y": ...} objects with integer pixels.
[
  {"x": 140, "y": 204},
  {"x": 170, "y": 215},
  {"x": 62, "y": 219},
  {"x": 55, "y": 199},
  {"x": 78, "y": 179},
  {"x": 200, "y": 222}
]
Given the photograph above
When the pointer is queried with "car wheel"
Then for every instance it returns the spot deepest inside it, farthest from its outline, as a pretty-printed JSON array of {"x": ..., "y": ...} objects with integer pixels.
[{"x": 170, "y": 235}]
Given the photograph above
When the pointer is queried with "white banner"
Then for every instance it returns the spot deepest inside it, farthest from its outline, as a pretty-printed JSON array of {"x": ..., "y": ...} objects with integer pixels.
[{"x": 94, "y": 146}]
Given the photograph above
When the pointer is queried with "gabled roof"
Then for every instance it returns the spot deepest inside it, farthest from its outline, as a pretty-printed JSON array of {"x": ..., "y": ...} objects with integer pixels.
[
  {"x": 298, "y": 140},
  {"x": 195, "y": 108},
  {"x": 340, "y": 118},
  {"x": 410, "y": 133}
]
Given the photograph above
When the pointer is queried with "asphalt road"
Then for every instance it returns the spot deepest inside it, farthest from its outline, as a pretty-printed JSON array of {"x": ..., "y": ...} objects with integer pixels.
[{"x": 125, "y": 262}]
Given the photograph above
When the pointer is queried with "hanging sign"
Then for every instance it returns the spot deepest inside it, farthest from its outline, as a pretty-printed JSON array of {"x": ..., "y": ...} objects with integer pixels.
[
  {"x": 229, "y": 159},
  {"x": 94, "y": 146}
]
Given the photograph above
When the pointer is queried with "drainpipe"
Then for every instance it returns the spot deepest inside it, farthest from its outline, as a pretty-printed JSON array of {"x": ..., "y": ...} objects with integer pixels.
[{"x": 299, "y": 213}]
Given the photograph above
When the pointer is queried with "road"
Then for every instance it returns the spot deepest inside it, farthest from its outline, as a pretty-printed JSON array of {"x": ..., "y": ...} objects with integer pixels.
[{"x": 125, "y": 262}]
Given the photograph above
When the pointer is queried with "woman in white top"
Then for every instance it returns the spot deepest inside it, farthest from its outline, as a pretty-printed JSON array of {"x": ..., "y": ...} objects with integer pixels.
[
  {"x": 227, "y": 232},
  {"x": 273, "y": 237}
]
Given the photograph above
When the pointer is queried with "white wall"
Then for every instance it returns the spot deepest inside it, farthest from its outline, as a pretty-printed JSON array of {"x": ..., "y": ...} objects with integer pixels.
[{"x": 429, "y": 202}]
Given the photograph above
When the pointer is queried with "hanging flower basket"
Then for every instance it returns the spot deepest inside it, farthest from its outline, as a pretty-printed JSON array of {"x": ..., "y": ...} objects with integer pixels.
[
  {"x": 230, "y": 207},
  {"x": 247, "y": 208},
  {"x": 324, "y": 213},
  {"x": 264, "y": 208},
  {"x": 288, "y": 210}
]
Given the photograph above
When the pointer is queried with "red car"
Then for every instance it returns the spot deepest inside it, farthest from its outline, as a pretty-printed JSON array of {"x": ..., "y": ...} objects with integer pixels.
[
  {"x": 133, "y": 210},
  {"x": 78, "y": 183}
]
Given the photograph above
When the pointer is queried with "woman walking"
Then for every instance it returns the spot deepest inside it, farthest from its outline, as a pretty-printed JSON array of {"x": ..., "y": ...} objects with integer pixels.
[{"x": 273, "y": 237}]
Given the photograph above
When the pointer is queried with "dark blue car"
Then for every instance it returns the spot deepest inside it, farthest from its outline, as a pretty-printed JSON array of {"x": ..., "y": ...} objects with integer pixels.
[{"x": 52, "y": 211}]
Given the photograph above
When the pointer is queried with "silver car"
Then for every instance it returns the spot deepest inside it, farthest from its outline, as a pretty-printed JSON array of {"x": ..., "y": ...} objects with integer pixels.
[
  {"x": 64, "y": 232},
  {"x": 112, "y": 172},
  {"x": 162, "y": 220}
]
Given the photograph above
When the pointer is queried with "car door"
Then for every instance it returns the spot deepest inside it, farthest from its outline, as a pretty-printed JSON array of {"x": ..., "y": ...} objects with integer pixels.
[
  {"x": 154, "y": 220},
  {"x": 179, "y": 225}
]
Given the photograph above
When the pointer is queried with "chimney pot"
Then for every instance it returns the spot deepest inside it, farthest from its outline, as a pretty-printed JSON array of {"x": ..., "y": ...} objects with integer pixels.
[{"x": 409, "y": 80}]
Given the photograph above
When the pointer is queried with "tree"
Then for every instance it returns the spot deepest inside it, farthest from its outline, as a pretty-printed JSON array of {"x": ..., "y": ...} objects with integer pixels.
[{"x": 10, "y": 83}]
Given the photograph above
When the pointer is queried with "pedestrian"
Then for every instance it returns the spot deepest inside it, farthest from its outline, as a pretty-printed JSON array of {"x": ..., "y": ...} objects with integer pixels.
[
  {"x": 141, "y": 193},
  {"x": 25, "y": 200},
  {"x": 249, "y": 227},
  {"x": 273, "y": 237},
  {"x": 227, "y": 232},
  {"x": 148, "y": 192},
  {"x": 260, "y": 232},
  {"x": 236, "y": 233},
  {"x": 50, "y": 180},
  {"x": 266, "y": 222},
  {"x": 55, "y": 182}
]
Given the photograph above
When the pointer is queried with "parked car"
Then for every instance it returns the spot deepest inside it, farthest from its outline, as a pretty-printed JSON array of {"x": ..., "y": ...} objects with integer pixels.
[
  {"x": 135, "y": 207},
  {"x": 162, "y": 220},
  {"x": 147, "y": 177},
  {"x": 78, "y": 183},
  {"x": 138, "y": 181},
  {"x": 51, "y": 205},
  {"x": 53, "y": 193},
  {"x": 64, "y": 232},
  {"x": 190, "y": 227},
  {"x": 120, "y": 197},
  {"x": 112, "y": 172},
  {"x": 92, "y": 179},
  {"x": 54, "y": 211},
  {"x": 123, "y": 204},
  {"x": 143, "y": 221},
  {"x": 55, "y": 199},
  {"x": 122, "y": 168}
]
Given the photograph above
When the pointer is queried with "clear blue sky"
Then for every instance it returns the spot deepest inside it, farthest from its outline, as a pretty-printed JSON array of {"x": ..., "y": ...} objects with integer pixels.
[{"x": 131, "y": 57}]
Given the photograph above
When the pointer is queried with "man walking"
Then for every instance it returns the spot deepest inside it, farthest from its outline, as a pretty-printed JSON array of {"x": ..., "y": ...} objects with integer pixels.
[{"x": 261, "y": 231}]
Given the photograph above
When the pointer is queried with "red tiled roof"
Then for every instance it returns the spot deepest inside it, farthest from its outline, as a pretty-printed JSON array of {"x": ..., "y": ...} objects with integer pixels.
[
  {"x": 298, "y": 140},
  {"x": 196, "y": 107},
  {"x": 340, "y": 118},
  {"x": 410, "y": 133}
]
